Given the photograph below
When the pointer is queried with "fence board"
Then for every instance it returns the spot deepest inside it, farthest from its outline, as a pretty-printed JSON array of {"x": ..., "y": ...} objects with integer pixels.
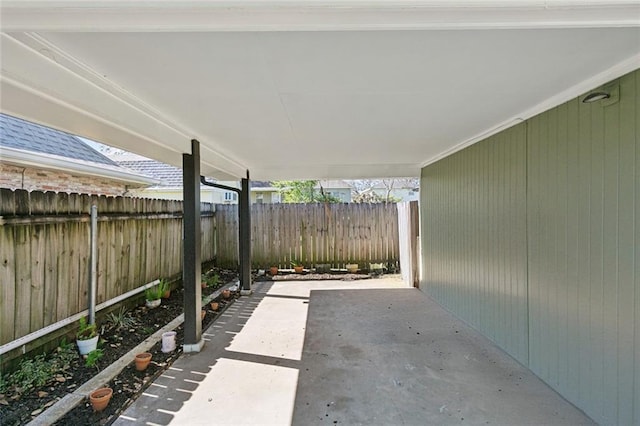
[
  {"x": 50, "y": 274},
  {"x": 57, "y": 243},
  {"x": 7, "y": 202},
  {"x": 36, "y": 256},
  {"x": 73, "y": 253},
  {"x": 8, "y": 287},
  {"x": 22, "y": 281}
]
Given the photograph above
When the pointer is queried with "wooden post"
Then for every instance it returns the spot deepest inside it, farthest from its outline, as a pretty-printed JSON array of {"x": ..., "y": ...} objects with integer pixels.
[
  {"x": 244, "y": 204},
  {"x": 191, "y": 266}
]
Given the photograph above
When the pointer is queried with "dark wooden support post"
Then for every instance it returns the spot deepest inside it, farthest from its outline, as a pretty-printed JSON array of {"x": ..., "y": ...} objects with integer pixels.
[
  {"x": 191, "y": 258},
  {"x": 244, "y": 229},
  {"x": 244, "y": 205}
]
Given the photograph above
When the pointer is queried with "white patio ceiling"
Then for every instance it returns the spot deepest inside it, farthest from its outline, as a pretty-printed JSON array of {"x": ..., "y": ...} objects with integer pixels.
[{"x": 305, "y": 89}]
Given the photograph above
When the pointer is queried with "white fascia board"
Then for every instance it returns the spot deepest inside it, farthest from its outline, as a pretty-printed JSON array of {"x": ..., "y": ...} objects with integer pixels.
[
  {"x": 311, "y": 15},
  {"x": 43, "y": 84},
  {"x": 622, "y": 68},
  {"x": 37, "y": 160}
]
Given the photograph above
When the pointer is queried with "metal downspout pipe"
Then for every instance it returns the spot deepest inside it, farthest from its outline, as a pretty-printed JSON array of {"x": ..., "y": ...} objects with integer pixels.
[{"x": 93, "y": 285}]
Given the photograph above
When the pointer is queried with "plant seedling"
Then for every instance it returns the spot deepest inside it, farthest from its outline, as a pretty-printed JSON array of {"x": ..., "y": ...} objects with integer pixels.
[{"x": 86, "y": 331}]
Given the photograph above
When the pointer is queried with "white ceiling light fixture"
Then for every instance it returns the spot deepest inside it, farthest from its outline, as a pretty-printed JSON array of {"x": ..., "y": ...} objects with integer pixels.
[{"x": 595, "y": 97}]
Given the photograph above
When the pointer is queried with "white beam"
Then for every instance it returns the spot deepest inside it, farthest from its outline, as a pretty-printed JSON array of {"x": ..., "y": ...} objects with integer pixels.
[{"x": 312, "y": 15}]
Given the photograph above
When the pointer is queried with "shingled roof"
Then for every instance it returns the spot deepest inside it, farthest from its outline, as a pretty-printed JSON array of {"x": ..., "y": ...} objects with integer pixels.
[
  {"x": 169, "y": 176},
  {"x": 21, "y": 134}
]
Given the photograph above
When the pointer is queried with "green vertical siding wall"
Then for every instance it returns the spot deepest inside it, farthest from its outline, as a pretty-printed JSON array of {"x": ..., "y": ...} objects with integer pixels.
[
  {"x": 474, "y": 237},
  {"x": 583, "y": 194},
  {"x": 533, "y": 237}
]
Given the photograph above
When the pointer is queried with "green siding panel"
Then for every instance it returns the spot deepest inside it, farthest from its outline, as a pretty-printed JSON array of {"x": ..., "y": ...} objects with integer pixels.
[
  {"x": 582, "y": 186},
  {"x": 474, "y": 220},
  {"x": 533, "y": 237}
]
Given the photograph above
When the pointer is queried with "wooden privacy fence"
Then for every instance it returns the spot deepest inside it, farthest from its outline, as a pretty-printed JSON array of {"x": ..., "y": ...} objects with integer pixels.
[
  {"x": 313, "y": 233},
  {"x": 45, "y": 249}
]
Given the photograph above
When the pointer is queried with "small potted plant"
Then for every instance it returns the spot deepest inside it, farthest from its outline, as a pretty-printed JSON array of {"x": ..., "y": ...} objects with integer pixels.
[
  {"x": 100, "y": 398},
  {"x": 152, "y": 296},
  {"x": 165, "y": 287},
  {"x": 214, "y": 306},
  {"x": 376, "y": 268},
  {"x": 352, "y": 267},
  {"x": 298, "y": 267},
  {"x": 323, "y": 268},
  {"x": 226, "y": 293},
  {"x": 87, "y": 337},
  {"x": 273, "y": 270}
]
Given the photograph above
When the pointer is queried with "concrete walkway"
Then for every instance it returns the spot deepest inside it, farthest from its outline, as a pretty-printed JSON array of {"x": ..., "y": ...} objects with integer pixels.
[{"x": 368, "y": 352}]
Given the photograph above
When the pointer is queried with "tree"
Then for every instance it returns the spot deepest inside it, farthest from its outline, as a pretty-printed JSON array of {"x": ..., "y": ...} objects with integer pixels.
[
  {"x": 303, "y": 191},
  {"x": 364, "y": 190}
]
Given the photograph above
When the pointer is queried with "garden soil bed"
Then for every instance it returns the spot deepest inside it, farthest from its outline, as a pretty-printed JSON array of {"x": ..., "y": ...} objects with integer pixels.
[
  {"x": 320, "y": 277},
  {"x": 18, "y": 407}
]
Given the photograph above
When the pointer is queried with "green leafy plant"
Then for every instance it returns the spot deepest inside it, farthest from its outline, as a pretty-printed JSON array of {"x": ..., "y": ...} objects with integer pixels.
[
  {"x": 86, "y": 331},
  {"x": 39, "y": 370},
  {"x": 93, "y": 357},
  {"x": 153, "y": 293},
  {"x": 212, "y": 281},
  {"x": 64, "y": 345},
  {"x": 163, "y": 286},
  {"x": 121, "y": 319},
  {"x": 31, "y": 373},
  {"x": 296, "y": 262},
  {"x": 65, "y": 353}
]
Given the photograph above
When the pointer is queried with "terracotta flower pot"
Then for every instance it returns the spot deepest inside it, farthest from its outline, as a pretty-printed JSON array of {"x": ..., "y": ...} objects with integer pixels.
[
  {"x": 142, "y": 361},
  {"x": 166, "y": 294},
  {"x": 100, "y": 398},
  {"x": 203, "y": 314},
  {"x": 273, "y": 270},
  {"x": 215, "y": 306},
  {"x": 203, "y": 284},
  {"x": 298, "y": 269},
  {"x": 226, "y": 294}
]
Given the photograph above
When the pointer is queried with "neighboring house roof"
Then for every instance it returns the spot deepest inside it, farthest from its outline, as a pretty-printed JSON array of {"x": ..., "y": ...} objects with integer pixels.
[
  {"x": 28, "y": 144},
  {"x": 262, "y": 184},
  {"x": 168, "y": 176},
  {"x": 21, "y": 134}
]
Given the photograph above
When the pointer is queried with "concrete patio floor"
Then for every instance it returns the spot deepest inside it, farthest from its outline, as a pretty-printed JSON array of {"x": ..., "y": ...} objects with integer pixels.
[{"x": 367, "y": 352}]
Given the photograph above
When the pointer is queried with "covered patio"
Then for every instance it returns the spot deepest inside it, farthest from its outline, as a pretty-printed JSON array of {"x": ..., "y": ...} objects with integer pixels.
[
  {"x": 370, "y": 352},
  {"x": 240, "y": 90}
]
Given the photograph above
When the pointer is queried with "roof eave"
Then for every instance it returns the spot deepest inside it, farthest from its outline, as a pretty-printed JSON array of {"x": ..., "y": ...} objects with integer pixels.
[{"x": 53, "y": 162}]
